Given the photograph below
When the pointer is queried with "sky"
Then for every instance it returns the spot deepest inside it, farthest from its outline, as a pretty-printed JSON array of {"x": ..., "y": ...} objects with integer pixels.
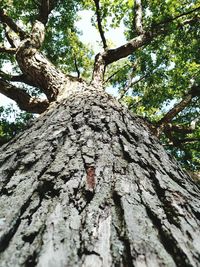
[{"x": 90, "y": 35}]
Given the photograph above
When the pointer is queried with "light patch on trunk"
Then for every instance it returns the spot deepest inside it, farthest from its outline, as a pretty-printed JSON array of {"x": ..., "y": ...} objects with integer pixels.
[{"x": 52, "y": 257}]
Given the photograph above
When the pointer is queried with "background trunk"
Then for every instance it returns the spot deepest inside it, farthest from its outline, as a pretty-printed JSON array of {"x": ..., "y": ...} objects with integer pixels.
[{"x": 87, "y": 185}]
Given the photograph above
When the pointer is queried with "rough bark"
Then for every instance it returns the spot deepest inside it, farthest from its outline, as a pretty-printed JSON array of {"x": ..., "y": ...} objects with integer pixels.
[
  {"x": 36, "y": 67},
  {"x": 88, "y": 185},
  {"x": 138, "y": 17}
]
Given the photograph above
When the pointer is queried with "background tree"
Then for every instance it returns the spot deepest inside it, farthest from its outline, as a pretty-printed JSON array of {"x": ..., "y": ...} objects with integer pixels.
[{"x": 87, "y": 183}]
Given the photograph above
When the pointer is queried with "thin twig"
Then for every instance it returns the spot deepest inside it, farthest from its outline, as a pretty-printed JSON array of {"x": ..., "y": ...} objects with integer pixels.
[
  {"x": 176, "y": 17},
  {"x": 116, "y": 72},
  {"x": 76, "y": 67},
  {"x": 130, "y": 84}
]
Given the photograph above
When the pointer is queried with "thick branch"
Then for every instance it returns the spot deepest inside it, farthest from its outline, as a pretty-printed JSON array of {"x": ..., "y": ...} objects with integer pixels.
[
  {"x": 37, "y": 35},
  {"x": 9, "y": 36},
  {"x": 4, "y": 18},
  {"x": 184, "y": 129},
  {"x": 112, "y": 55},
  {"x": 138, "y": 17},
  {"x": 22, "y": 79},
  {"x": 189, "y": 140},
  {"x": 9, "y": 50},
  {"x": 172, "y": 114},
  {"x": 145, "y": 38},
  {"x": 36, "y": 67},
  {"x": 194, "y": 91},
  {"x": 98, "y": 72},
  {"x": 45, "y": 8},
  {"x": 127, "y": 49},
  {"x": 100, "y": 27},
  {"x": 23, "y": 99}
]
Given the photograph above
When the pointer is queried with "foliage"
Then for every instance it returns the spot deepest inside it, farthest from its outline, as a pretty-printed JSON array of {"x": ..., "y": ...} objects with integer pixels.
[
  {"x": 12, "y": 122},
  {"x": 166, "y": 67}
]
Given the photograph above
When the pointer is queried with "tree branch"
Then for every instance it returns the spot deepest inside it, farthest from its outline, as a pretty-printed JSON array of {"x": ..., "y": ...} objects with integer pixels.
[
  {"x": 76, "y": 67},
  {"x": 98, "y": 71},
  {"x": 9, "y": 50},
  {"x": 160, "y": 125},
  {"x": 116, "y": 72},
  {"x": 36, "y": 67},
  {"x": 101, "y": 31},
  {"x": 37, "y": 35},
  {"x": 127, "y": 49},
  {"x": 45, "y": 8},
  {"x": 4, "y": 18},
  {"x": 184, "y": 129},
  {"x": 8, "y": 35},
  {"x": 22, "y": 78},
  {"x": 23, "y": 99},
  {"x": 111, "y": 55},
  {"x": 138, "y": 17},
  {"x": 189, "y": 140},
  {"x": 145, "y": 38},
  {"x": 167, "y": 21},
  {"x": 131, "y": 83}
]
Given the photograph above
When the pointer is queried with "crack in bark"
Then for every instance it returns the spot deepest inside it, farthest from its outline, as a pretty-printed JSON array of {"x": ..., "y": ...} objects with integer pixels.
[
  {"x": 6, "y": 237},
  {"x": 168, "y": 241},
  {"x": 126, "y": 154},
  {"x": 30, "y": 237},
  {"x": 31, "y": 261},
  {"x": 170, "y": 211},
  {"x": 165, "y": 236},
  {"x": 9, "y": 174},
  {"x": 46, "y": 190},
  {"x": 120, "y": 229}
]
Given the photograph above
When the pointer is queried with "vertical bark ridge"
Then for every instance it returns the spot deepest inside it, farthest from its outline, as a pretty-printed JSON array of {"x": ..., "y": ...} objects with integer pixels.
[{"x": 88, "y": 185}]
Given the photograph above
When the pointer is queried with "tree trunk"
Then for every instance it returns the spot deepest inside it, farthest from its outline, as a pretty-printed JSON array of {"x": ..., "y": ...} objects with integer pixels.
[{"x": 88, "y": 185}]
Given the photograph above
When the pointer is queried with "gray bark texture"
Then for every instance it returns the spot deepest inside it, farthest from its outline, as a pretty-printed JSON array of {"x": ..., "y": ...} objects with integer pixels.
[{"x": 88, "y": 185}]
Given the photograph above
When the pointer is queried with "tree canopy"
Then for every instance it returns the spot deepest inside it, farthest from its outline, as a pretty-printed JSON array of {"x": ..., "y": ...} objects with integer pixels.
[{"x": 156, "y": 72}]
